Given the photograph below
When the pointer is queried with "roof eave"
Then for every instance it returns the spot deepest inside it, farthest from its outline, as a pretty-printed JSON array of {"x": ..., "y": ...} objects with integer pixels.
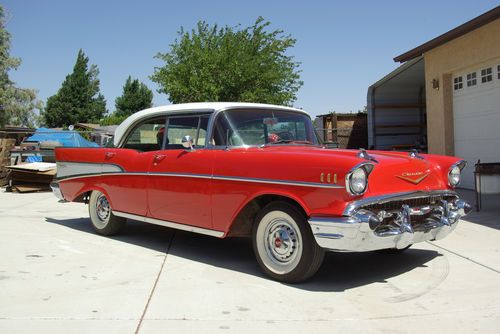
[{"x": 463, "y": 29}]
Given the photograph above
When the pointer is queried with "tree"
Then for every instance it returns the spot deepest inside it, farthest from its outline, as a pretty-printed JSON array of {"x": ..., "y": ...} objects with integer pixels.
[
  {"x": 17, "y": 105},
  {"x": 229, "y": 64},
  {"x": 136, "y": 96},
  {"x": 79, "y": 99}
]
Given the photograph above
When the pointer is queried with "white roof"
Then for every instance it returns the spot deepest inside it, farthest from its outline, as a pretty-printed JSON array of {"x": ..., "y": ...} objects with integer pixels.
[{"x": 185, "y": 108}]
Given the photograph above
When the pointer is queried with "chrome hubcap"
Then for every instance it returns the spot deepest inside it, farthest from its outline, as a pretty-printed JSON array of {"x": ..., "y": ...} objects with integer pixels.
[
  {"x": 281, "y": 241},
  {"x": 102, "y": 208}
]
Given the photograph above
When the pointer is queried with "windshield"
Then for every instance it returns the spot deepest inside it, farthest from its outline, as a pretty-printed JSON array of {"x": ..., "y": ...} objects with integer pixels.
[{"x": 263, "y": 127}]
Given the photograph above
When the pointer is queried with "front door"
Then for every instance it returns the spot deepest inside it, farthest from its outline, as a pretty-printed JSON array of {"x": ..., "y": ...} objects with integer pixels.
[{"x": 179, "y": 188}]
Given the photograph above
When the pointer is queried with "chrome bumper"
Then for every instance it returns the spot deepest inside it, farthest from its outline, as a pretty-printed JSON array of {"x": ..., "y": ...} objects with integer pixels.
[
  {"x": 57, "y": 191},
  {"x": 395, "y": 221}
]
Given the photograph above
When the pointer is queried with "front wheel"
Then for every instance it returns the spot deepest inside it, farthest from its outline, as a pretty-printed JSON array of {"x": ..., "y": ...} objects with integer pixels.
[
  {"x": 284, "y": 245},
  {"x": 102, "y": 217}
]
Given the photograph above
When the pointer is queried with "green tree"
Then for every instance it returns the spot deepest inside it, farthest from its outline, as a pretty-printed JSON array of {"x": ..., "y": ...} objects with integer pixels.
[
  {"x": 78, "y": 100},
  {"x": 112, "y": 119},
  {"x": 17, "y": 105},
  {"x": 136, "y": 96},
  {"x": 229, "y": 64}
]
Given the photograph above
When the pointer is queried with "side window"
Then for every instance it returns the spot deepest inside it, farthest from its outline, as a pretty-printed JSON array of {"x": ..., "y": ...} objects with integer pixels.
[
  {"x": 178, "y": 127},
  {"x": 147, "y": 136}
]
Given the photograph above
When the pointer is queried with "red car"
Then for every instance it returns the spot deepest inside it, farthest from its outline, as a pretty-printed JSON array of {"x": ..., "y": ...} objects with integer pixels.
[{"x": 240, "y": 169}]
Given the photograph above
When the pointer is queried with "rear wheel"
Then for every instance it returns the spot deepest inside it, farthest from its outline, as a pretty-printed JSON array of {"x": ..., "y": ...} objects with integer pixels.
[
  {"x": 102, "y": 217},
  {"x": 284, "y": 245}
]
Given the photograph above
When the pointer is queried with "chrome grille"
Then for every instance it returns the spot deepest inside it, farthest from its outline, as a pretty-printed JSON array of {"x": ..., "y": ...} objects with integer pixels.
[{"x": 411, "y": 202}]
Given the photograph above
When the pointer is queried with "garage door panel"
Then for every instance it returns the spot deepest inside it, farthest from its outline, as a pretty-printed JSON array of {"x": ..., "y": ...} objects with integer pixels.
[
  {"x": 478, "y": 127},
  {"x": 476, "y": 103},
  {"x": 476, "y": 118}
]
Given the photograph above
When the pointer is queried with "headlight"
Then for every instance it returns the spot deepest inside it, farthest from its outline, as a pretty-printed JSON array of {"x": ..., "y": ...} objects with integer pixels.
[
  {"x": 357, "y": 179},
  {"x": 454, "y": 176}
]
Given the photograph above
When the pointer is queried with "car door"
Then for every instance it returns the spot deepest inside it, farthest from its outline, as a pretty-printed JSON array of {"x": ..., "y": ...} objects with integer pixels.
[
  {"x": 127, "y": 189},
  {"x": 179, "y": 187}
]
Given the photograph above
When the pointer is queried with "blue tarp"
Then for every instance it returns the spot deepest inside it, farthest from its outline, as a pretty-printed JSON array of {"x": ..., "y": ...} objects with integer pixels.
[{"x": 66, "y": 138}]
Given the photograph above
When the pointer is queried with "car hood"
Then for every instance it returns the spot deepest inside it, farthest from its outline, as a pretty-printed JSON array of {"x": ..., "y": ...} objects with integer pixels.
[{"x": 392, "y": 172}]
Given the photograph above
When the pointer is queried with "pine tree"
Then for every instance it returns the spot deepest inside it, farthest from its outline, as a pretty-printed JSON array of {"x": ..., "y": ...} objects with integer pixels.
[
  {"x": 78, "y": 100},
  {"x": 16, "y": 104},
  {"x": 136, "y": 96}
]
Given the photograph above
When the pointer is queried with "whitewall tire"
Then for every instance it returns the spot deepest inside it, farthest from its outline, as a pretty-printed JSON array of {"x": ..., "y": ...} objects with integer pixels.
[
  {"x": 102, "y": 217},
  {"x": 284, "y": 245}
]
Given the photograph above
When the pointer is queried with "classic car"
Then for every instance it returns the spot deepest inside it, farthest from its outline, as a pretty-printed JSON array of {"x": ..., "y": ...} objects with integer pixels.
[{"x": 260, "y": 171}]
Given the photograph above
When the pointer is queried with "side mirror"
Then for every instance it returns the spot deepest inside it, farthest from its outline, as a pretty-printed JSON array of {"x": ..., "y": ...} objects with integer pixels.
[{"x": 187, "y": 142}]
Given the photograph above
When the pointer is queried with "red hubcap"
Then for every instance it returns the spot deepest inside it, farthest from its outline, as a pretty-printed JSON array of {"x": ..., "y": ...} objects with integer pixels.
[{"x": 277, "y": 242}]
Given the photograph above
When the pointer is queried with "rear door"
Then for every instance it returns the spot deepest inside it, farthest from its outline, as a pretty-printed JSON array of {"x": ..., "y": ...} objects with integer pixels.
[{"x": 125, "y": 170}]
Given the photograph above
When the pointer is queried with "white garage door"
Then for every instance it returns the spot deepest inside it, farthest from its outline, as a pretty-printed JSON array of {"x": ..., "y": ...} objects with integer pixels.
[{"x": 476, "y": 116}]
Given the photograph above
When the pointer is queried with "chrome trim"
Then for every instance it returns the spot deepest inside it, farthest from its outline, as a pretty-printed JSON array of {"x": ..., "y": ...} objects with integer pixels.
[
  {"x": 367, "y": 230},
  {"x": 57, "y": 191},
  {"x": 166, "y": 223},
  {"x": 280, "y": 182},
  {"x": 368, "y": 167},
  {"x": 167, "y": 114},
  {"x": 364, "y": 155},
  {"x": 395, "y": 197},
  {"x": 212, "y": 177},
  {"x": 414, "y": 154},
  {"x": 69, "y": 168},
  {"x": 461, "y": 165},
  {"x": 187, "y": 141}
]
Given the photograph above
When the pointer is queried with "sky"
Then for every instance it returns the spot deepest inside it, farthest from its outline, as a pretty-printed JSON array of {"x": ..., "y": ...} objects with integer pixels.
[{"x": 343, "y": 46}]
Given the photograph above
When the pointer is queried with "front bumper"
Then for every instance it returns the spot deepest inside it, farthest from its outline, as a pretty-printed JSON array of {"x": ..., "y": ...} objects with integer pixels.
[{"x": 390, "y": 221}]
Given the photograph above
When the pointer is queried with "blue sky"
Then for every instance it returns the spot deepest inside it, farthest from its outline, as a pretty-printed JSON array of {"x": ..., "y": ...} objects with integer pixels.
[{"x": 344, "y": 46}]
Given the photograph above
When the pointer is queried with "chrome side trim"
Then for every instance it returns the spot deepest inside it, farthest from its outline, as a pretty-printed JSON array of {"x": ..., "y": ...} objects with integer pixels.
[
  {"x": 394, "y": 197},
  {"x": 166, "y": 223},
  {"x": 57, "y": 191},
  {"x": 69, "y": 168},
  {"x": 212, "y": 177},
  {"x": 280, "y": 182}
]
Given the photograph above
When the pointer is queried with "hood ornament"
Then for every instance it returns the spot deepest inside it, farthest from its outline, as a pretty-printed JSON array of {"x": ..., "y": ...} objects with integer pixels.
[
  {"x": 414, "y": 154},
  {"x": 414, "y": 177},
  {"x": 364, "y": 155}
]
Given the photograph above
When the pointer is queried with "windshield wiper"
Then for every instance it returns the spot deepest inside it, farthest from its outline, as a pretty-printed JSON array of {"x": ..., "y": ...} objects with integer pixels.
[{"x": 288, "y": 141}]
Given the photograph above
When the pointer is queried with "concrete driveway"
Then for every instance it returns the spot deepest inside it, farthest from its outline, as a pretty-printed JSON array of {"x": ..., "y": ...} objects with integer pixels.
[{"x": 57, "y": 276}]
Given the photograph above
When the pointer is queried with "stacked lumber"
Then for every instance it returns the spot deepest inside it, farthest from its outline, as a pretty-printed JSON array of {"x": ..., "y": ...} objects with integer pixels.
[
  {"x": 31, "y": 177},
  {"x": 6, "y": 144}
]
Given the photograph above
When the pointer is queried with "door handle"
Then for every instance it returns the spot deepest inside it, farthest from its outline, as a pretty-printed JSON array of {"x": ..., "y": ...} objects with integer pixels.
[
  {"x": 158, "y": 158},
  {"x": 109, "y": 155}
]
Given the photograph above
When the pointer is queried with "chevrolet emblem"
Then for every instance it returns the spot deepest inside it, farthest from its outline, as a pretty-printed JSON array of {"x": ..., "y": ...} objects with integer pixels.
[{"x": 415, "y": 177}]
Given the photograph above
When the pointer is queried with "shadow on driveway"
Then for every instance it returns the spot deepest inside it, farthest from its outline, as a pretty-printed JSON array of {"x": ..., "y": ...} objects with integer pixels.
[{"x": 339, "y": 272}]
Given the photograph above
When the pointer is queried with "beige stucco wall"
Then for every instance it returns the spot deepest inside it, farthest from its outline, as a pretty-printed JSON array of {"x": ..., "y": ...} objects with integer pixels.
[{"x": 472, "y": 49}]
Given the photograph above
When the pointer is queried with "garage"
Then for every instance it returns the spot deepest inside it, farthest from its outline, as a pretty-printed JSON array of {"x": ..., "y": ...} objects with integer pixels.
[
  {"x": 445, "y": 99},
  {"x": 476, "y": 119},
  {"x": 397, "y": 110}
]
